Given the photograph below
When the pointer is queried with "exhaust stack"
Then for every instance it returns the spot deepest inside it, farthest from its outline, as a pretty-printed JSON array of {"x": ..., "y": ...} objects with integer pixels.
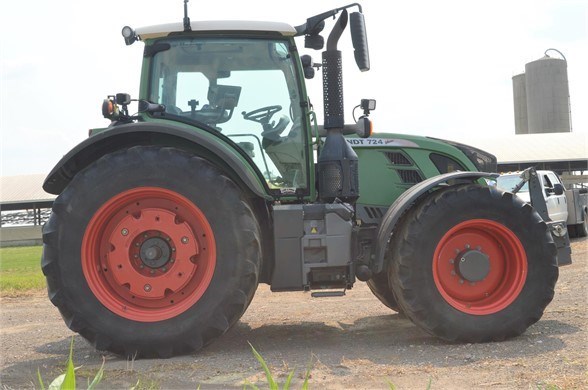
[{"x": 338, "y": 171}]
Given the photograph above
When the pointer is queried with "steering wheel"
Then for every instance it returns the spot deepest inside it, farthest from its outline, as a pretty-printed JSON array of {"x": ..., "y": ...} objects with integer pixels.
[{"x": 261, "y": 115}]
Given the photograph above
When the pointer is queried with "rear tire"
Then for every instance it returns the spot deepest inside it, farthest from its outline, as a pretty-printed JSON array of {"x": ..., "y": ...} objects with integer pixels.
[
  {"x": 473, "y": 264},
  {"x": 151, "y": 251}
]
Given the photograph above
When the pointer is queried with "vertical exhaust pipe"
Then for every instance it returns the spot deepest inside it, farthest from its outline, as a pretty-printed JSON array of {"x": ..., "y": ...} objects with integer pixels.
[{"x": 338, "y": 172}]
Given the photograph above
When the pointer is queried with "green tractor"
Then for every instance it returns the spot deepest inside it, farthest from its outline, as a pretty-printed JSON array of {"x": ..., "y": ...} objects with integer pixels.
[{"x": 167, "y": 220}]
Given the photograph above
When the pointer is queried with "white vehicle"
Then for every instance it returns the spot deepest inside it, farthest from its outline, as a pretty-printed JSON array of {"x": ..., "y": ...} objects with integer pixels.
[
  {"x": 577, "y": 211},
  {"x": 553, "y": 192}
]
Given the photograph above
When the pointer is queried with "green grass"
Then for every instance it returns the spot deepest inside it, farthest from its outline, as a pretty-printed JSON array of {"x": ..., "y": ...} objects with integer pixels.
[
  {"x": 67, "y": 380},
  {"x": 20, "y": 270},
  {"x": 273, "y": 385}
]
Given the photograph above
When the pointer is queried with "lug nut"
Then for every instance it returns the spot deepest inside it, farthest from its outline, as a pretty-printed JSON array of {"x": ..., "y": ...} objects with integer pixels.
[
  {"x": 124, "y": 232},
  {"x": 147, "y": 287},
  {"x": 163, "y": 269},
  {"x": 184, "y": 240}
]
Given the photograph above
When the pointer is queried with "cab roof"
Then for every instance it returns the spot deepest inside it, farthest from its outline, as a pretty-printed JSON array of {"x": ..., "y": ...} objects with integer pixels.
[{"x": 163, "y": 30}]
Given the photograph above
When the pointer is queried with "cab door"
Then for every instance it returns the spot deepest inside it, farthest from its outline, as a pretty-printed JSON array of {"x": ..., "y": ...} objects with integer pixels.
[{"x": 557, "y": 206}]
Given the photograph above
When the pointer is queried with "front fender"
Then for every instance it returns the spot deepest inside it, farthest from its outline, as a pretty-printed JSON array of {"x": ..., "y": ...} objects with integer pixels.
[
  {"x": 214, "y": 148},
  {"x": 405, "y": 201}
]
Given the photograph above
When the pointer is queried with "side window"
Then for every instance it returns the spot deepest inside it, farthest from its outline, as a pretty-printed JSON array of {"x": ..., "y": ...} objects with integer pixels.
[
  {"x": 253, "y": 99},
  {"x": 547, "y": 182},
  {"x": 554, "y": 179}
]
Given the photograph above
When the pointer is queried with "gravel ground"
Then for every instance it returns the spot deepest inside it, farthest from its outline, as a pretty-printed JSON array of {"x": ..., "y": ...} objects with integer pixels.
[{"x": 351, "y": 342}]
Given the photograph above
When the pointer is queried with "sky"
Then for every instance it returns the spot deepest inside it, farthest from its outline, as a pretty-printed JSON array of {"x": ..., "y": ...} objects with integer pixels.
[{"x": 438, "y": 68}]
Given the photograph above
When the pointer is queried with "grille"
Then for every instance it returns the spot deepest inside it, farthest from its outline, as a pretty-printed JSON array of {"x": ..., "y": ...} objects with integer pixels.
[
  {"x": 373, "y": 212},
  {"x": 410, "y": 176},
  {"x": 397, "y": 158}
]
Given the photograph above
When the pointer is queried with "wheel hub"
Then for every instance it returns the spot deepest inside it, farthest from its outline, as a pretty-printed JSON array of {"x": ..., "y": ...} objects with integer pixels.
[
  {"x": 479, "y": 266},
  {"x": 155, "y": 252},
  {"x": 473, "y": 265},
  {"x": 148, "y": 254}
]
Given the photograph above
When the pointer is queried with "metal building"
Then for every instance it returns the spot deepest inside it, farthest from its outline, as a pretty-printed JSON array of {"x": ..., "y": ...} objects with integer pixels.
[{"x": 547, "y": 97}]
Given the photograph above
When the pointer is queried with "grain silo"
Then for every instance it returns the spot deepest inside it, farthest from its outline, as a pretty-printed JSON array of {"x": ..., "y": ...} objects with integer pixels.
[
  {"x": 520, "y": 104},
  {"x": 547, "y": 94}
]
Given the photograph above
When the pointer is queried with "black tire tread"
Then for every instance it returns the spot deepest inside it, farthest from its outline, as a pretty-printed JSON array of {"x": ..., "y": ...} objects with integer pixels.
[
  {"x": 225, "y": 315},
  {"x": 379, "y": 286},
  {"x": 408, "y": 238}
]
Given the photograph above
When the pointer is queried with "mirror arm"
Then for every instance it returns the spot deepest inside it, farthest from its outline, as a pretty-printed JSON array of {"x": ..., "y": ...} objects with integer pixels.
[{"x": 313, "y": 21}]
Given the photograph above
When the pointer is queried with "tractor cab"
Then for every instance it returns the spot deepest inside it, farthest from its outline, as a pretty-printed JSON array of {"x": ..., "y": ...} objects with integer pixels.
[
  {"x": 244, "y": 81},
  {"x": 246, "y": 88}
]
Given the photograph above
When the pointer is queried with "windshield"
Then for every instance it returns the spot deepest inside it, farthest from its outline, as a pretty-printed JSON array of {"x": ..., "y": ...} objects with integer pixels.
[
  {"x": 244, "y": 88},
  {"x": 509, "y": 182}
]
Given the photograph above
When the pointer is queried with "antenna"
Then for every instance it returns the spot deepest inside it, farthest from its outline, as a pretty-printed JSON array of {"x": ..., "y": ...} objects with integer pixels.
[{"x": 187, "y": 26}]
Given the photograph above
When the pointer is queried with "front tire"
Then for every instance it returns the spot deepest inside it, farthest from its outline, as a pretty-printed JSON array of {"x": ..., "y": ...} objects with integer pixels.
[
  {"x": 379, "y": 286},
  {"x": 473, "y": 264},
  {"x": 151, "y": 251}
]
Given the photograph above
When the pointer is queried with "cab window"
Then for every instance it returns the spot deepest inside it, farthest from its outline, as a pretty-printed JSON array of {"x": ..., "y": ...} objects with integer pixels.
[{"x": 245, "y": 89}]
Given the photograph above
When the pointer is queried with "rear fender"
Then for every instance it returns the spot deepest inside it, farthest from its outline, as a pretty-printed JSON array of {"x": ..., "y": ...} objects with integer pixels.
[
  {"x": 406, "y": 201},
  {"x": 219, "y": 151}
]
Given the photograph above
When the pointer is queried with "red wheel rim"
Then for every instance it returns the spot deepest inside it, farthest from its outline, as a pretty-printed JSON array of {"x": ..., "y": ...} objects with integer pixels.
[
  {"x": 501, "y": 268},
  {"x": 148, "y": 254}
]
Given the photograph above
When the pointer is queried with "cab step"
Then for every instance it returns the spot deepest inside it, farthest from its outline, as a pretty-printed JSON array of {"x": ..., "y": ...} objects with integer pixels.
[{"x": 327, "y": 294}]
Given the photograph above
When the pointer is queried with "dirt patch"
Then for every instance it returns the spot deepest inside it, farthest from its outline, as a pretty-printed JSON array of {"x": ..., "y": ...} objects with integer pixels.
[{"x": 352, "y": 342}]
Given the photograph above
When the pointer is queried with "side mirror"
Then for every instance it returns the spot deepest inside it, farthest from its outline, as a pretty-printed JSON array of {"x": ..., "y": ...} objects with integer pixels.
[
  {"x": 364, "y": 127},
  {"x": 359, "y": 40},
  {"x": 307, "y": 66},
  {"x": 558, "y": 189}
]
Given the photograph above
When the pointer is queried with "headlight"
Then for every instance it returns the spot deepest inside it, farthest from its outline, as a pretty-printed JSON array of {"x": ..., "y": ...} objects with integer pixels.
[{"x": 484, "y": 161}]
